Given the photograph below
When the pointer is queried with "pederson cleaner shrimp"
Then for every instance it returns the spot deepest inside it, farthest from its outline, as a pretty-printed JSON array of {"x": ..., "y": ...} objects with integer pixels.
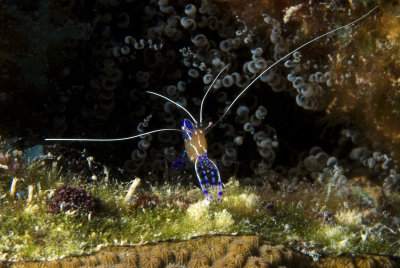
[{"x": 194, "y": 131}]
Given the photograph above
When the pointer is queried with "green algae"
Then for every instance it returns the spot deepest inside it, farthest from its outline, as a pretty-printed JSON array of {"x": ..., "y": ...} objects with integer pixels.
[{"x": 30, "y": 232}]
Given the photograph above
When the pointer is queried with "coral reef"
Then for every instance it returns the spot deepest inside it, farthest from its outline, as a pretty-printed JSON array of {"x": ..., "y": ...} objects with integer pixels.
[
  {"x": 108, "y": 59},
  {"x": 317, "y": 220},
  {"x": 308, "y": 156},
  {"x": 111, "y": 58},
  {"x": 150, "y": 256}
]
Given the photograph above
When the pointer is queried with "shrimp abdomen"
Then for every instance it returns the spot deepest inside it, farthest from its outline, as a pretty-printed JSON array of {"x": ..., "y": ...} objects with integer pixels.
[{"x": 209, "y": 177}]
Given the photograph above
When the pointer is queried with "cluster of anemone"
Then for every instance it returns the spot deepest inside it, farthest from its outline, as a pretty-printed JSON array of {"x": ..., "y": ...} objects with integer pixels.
[
  {"x": 310, "y": 81},
  {"x": 177, "y": 49},
  {"x": 379, "y": 164},
  {"x": 202, "y": 57}
]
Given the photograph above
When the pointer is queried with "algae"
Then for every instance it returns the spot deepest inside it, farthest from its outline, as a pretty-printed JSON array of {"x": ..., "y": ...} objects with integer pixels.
[{"x": 30, "y": 233}]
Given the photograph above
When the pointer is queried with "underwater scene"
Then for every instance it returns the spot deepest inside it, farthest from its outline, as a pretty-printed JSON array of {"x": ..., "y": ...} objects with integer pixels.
[{"x": 203, "y": 133}]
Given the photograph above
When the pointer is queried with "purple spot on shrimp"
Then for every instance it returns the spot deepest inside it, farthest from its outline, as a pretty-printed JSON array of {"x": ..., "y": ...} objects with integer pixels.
[{"x": 180, "y": 163}]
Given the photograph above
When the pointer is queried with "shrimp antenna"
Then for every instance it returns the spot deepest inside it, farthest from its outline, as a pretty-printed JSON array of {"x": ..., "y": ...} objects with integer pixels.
[
  {"x": 287, "y": 55},
  {"x": 117, "y": 139},
  {"x": 177, "y": 104},
  {"x": 208, "y": 90}
]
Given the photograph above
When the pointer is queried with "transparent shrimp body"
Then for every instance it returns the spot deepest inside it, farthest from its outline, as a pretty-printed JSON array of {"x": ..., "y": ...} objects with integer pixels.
[{"x": 206, "y": 170}]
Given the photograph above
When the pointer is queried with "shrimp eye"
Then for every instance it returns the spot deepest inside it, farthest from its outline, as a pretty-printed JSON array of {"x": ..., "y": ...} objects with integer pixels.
[
  {"x": 187, "y": 129},
  {"x": 188, "y": 124}
]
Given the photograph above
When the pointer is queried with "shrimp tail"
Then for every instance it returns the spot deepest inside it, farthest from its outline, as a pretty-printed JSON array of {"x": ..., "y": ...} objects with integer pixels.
[{"x": 209, "y": 177}]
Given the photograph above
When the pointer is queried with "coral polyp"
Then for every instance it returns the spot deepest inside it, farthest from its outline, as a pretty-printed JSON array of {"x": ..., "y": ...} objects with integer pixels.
[
  {"x": 257, "y": 262},
  {"x": 215, "y": 251},
  {"x": 235, "y": 259},
  {"x": 227, "y": 259},
  {"x": 271, "y": 255},
  {"x": 150, "y": 261},
  {"x": 198, "y": 259},
  {"x": 240, "y": 247},
  {"x": 182, "y": 255}
]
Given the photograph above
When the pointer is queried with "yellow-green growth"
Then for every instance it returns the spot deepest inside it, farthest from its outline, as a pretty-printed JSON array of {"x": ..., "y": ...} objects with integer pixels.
[{"x": 29, "y": 232}]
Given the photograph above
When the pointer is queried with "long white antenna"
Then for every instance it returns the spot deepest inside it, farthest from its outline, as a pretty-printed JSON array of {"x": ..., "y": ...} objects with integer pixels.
[
  {"x": 287, "y": 55},
  {"x": 177, "y": 104},
  {"x": 117, "y": 139},
  {"x": 205, "y": 95}
]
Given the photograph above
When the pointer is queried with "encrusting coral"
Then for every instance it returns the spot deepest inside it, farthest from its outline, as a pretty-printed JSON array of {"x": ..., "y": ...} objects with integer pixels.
[{"x": 260, "y": 257}]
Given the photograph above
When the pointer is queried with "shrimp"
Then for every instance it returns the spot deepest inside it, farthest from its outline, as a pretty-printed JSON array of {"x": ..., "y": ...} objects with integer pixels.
[{"x": 194, "y": 132}]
